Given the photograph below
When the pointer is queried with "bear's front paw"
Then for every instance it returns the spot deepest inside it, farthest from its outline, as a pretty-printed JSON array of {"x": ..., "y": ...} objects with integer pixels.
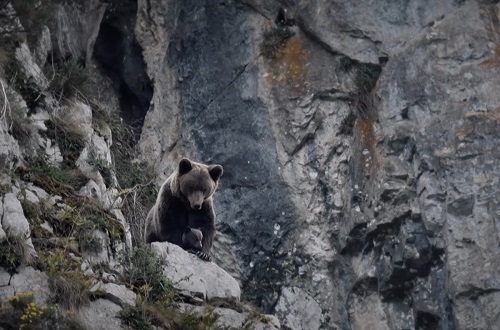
[{"x": 203, "y": 256}]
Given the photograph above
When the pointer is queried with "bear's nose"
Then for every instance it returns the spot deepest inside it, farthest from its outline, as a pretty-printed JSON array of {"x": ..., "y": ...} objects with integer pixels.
[{"x": 197, "y": 206}]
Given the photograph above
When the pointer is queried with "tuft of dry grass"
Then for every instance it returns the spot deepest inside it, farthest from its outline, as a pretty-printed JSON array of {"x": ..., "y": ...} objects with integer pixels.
[
  {"x": 71, "y": 289},
  {"x": 14, "y": 252}
]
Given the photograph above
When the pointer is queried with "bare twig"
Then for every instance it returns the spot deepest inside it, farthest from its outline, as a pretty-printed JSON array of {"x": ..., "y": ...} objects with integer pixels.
[{"x": 6, "y": 105}]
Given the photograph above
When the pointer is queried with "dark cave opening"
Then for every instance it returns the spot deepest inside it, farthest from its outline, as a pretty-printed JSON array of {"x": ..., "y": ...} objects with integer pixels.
[{"x": 119, "y": 55}]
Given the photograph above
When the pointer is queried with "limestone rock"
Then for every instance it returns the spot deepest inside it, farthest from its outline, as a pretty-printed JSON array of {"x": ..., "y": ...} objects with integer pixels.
[
  {"x": 190, "y": 273},
  {"x": 9, "y": 147},
  {"x": 75, "y": 29},
  {"x": 298, "y": 310},
  {"x": 100, "y": 314},
  {"x": 39, "y": 192},
  {"x": 43, "y": 47},
  {"x": 52, "y": 151},
  {"x": 27, "y": 279},
  {"x": 398, "y": 203},
  {"x": 77, "y": 120},
  {"x": 118, "y": 294},
  {"x": 224, "y": 255},
  {"x": 29, "y": 66},
  {"x": 15, "y": 223}
]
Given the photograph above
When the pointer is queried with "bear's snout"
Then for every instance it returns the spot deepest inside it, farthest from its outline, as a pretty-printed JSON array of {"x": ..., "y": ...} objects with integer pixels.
[{"x": 196, "y": 200}]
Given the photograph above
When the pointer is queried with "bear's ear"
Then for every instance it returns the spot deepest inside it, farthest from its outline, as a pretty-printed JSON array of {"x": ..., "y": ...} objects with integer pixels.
[
  {"x": 215, "y": 171},
  {"x": 185, "y": 166},
  {"x": 187, "y": 230}
]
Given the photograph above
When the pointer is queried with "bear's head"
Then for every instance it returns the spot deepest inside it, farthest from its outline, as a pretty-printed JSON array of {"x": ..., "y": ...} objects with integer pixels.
[
  {"x": 192, "y": 238},
  {"x": 197, "y": 182}
]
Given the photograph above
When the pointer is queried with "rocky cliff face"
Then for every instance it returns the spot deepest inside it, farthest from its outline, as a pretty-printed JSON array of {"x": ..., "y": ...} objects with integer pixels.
[
  {"x": 360, "y": 145},
  {"x": 360, "y": 157},
  {"x": 73, "y": 96}
]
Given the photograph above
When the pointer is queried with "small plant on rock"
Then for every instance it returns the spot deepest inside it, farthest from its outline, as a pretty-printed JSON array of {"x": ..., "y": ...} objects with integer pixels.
[
  {"x": 14, "y": 252},
  {"x": 88, "y": 242},
  {"x": 24, "y": 85},
  {"x": 102, "y": 166},
  {"x": 33, "y": 14},
  {"x": 144, "y": 271},
  {"x": 70, "y": 78},
  {"x": 68, "y": 284},
  {"x": 22, "y": 312},
  {"x": 136, "y": 318}
]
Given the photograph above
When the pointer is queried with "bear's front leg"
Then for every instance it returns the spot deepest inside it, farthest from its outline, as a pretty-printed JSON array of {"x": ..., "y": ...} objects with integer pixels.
[
  {"x": 208, "y": 234},
  {"x": 204, "y": 220}
]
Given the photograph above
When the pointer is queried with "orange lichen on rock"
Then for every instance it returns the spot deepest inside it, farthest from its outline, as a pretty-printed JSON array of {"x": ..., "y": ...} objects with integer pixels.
[
  {"x": 288, "y": 67},
  {"x": 365, "y": 141},
  {"x": 493, "y": 61}
]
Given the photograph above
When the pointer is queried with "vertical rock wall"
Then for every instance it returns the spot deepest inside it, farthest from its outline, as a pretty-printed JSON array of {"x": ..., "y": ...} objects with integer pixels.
[{"x": 392, "y": 221}]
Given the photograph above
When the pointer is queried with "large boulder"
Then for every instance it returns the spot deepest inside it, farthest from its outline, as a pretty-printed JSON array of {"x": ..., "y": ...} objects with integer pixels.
[
  {"x": 15, "y": 224},
  {"x": 27, "y": 279},
  {"x": 189, "y": 273}
]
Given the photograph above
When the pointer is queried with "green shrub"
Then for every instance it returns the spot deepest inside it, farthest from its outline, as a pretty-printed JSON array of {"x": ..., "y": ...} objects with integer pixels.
[
  {"x": 146, "y": 316},
  {"x": 102, "y": 166},
  {"x": 144, "y": 271},
  {"x": 70, "y": 288},
  {"x": 69, "y": 79},
  {"x": 20, "y": 126},
  {"x": 136, "y": 318},
  {"x": 42, "y": 169},
  {"x": 22, "y": 312},
  {"x": 26, "y": 86},
  {"x": 33, "y": 14},
  {"x": 273, "y": 40},
  {"x": 196, "y": 321},
  {"x": 12, "y": 253},
  {"x": 70, "y": 143},
  {"x": 59, "y": 181}
]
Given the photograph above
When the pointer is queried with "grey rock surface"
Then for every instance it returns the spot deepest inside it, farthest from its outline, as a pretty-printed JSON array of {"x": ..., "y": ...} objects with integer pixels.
[
  {"x": 27, "y": 279},
  {"x": 298, "y": 310},
  {"x": 75, "y": 29},
  {"x": 360, "y": 163},
  {"x": 100, "y": 314},
  {"x": 14, "y": 223},
  {"x": 29, "y": 66},
  {"x": 400, "y": 206},
  {"x": 189, "y": 273},
  {"x": 119, "y": 294},
  {"x": 10, "y": 151}
]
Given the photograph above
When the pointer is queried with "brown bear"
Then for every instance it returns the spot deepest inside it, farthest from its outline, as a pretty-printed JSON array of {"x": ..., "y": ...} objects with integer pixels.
[
  {"x": 185, "y": 200},
  {"x": 192, "y": 239}
]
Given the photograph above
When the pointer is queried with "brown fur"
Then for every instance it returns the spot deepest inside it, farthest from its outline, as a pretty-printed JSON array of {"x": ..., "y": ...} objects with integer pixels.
[
  {"x": 185, "y": 199},
  {"x": 192, "y": 239}
]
